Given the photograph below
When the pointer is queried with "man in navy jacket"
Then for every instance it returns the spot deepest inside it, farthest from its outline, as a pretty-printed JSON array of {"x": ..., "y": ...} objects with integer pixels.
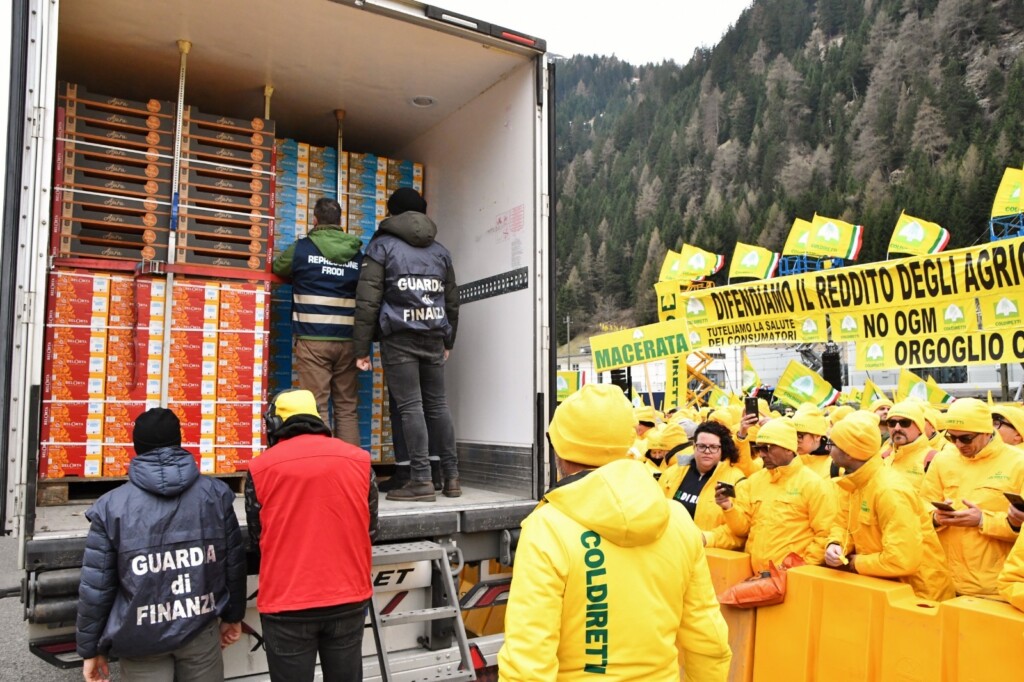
[{"x": 163, "y": 574}]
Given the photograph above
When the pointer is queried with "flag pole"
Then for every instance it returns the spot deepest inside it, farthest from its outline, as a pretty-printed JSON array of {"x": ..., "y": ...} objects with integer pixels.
[{"x": 647, "y": 381}]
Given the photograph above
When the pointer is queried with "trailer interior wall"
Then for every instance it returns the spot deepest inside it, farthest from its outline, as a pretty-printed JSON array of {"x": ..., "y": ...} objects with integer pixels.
[{"x": 481, "y": 190}]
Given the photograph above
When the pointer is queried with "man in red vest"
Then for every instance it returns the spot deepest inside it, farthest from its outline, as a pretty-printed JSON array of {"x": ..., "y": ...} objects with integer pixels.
[{"x": 311, "y": 506}]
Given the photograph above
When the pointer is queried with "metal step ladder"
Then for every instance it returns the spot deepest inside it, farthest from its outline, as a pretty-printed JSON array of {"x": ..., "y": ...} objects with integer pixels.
[{"x": 447, "y": 607}]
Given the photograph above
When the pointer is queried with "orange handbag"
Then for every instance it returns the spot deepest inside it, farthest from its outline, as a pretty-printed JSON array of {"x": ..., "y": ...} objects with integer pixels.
[{"x": 767, "y": 589}]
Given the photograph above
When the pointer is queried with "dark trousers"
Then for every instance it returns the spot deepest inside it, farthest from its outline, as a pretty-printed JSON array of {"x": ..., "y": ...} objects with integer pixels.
[
  {"x": 294, "y": 639},
  {"x": 415, "y": 375}
]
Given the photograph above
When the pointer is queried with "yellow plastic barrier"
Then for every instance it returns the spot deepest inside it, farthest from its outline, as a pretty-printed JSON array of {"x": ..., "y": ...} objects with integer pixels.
[
  {"x": 845, "y": 627},
  {"x": 727, "y": 569}
]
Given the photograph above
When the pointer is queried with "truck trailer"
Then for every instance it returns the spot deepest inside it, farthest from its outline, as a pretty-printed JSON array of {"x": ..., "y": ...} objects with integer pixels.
[{"x": 471, "y": 101}]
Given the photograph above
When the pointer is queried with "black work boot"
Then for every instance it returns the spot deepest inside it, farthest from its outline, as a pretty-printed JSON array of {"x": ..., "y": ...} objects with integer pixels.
[
  {"x": 435, "y": 474},
  {"x": 399, "y": 479},
  {"x": 451, "y": 487},
  {"x": 414, "y": 491}
]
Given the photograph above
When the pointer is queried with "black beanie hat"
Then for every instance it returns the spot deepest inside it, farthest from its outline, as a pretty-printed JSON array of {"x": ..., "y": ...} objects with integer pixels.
[
  {"x": 156, "y": 428},
  {"x": 406, "y": 199}
]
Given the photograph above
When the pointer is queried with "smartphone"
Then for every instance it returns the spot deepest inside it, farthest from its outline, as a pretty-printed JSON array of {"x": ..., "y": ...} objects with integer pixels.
[
  {"x": 1016, "y": 500},
  {"x": 727, "y": 489},
  {"x": 750, "y": 405},
  {"x": 943, "y": 506}
]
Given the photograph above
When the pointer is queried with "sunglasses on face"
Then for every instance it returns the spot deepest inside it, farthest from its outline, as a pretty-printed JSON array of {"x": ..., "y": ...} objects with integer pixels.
[
  {"x": 902, "y": 423},
  {"x": 758, "y": 448},
  {"x": 965, "y": 439}
]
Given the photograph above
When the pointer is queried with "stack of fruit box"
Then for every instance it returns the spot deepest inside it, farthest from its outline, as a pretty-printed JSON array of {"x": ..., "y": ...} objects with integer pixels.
[
  {"x": 112, "y": 176},
  {"x": 134, "y": 363},
  {"x": 226, "y": 191},
  {"x": 74, "y": 374}
]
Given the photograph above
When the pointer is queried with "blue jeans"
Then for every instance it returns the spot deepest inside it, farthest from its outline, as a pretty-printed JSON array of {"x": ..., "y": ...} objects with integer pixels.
[
  {"x": 414, "y": 370},
  {"x": 294, "y": 639}
]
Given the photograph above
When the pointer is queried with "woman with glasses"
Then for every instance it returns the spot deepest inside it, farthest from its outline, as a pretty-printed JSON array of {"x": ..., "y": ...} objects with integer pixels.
[
  {"x": 1009, "y": 422},
  {"x": 976, "y": 534},
  {"x": 693, "y": 482}
]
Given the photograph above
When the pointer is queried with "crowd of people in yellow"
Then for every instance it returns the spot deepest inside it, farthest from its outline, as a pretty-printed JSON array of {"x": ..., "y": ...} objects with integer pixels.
[{"x": 897, "y": 491}]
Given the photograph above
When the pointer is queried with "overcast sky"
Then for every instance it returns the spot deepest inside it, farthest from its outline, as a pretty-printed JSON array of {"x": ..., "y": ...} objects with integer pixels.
[{"x": 636, "y": 31}]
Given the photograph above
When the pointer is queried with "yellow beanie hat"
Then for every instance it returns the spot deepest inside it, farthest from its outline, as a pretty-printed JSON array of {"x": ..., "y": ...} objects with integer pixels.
[
  {"x": 666, "y": 436},
  {"x": 810, "y": 419},
  {"x": 881, "y": 402},
  {"x": 909, "y": 409},
  {"x": 857, "y": 435},
  {"x": 1014, "y": 415},
  {"x": 292, "y": 402},
  {"x": 645, "y": 413},
  {"x": 932, "y": 416},
  {"x": 726, "y": 416},
  {"x": 839, "y": 413},
  {"x": 969, "y": 414},
  {"x": 781, "y": 432},
  {"x": 593, "y": 426}
]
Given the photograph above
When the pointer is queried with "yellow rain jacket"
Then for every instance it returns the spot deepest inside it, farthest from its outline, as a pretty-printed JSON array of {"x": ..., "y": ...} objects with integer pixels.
[
  {"x": 709, "y": 518},
  {"x": 882, "y": 519},
  {"x": 1011, "y": 578},
  {"x": 975, "y": 555},
  {"x": 590, "y": 599},
  {"x": 908, "y": 461},
  {"x": 819, "y": 464},
  {"x": 783, "y": 510}
]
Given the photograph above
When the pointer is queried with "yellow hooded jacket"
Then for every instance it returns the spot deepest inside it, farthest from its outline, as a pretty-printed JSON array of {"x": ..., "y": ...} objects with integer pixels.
[
  {"x": 909, "y": 460},
  {"x": 819, "y": 464},
  {"x": 783, "y": 510},
  {"x": 1011, "y": 578},
  {"x": 709, "y": 518},
  {"x": 975, "y": 555},
  {"x": 882, "y": 519},
  {"x": 589, "y": 592}
]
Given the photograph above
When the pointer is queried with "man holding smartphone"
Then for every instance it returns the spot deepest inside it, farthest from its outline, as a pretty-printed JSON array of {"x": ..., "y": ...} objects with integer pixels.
[
  {"x": 976, "y": 535},
  {"x": 882, "y": 528}
]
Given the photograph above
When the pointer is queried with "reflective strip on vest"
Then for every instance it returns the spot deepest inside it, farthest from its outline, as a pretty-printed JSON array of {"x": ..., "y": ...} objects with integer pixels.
[
  {"x": 334, "y": 301},
  {"x": 313, "y": 318}
]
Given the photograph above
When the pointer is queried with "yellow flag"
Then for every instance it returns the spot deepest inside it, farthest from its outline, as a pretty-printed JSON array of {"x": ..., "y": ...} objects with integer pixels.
[
  {"x": 799, "y": 237},
  {"x": 567, "y": 384},
  {"x": 718, "y": 398},
  {"x": 697, "y": 263},
  {"x": 799, "y": 384},
  {"x": 911, "y": 386},
  {"x": 917, "y": 237},
  {"x": 990, "y": 401},
  {"x": 936, "y": 394},
  {"x": 870, "y": 394},
  {"x": 834, "y": 238},
  {"x": 1008, "y": 199},
  {"x": 753, "y": 261},
  {"x": 750, "y": 378},
  {"x": 670, "y": 267}
]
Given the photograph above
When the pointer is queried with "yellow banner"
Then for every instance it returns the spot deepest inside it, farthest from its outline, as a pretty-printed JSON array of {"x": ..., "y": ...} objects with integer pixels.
[
  {"x": 752, "y": 261},
  {"x": 917, "y": 237},
  {"x": 1008, "y": 199},
  {"x": 968, "y": 348},
  {"x": 799, "y": 384},
  {"x": 953, "y": 276},
  {"x": 812, "y": 329},
  {"x": 1002, "y": 311},
  {"x": 639, "y": 345},
  {"x": 667, "y": 300}
]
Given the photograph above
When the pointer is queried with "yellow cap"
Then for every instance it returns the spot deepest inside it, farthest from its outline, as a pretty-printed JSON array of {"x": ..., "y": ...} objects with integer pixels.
[
  {"x": 839, "y": 413},
  {"x": 810, "y": 419},
  {"x": 645, "y": 413},
  {"x": 932, "y": 416},
  {"x": 969, "y": 414},
  {"x": 857, "y": 435},
  {"x": 729, "y": 417},
  {"x": 666, "y": 436},
  {"x": 781, "y": 432},
  {"x": 880, "y": 403},
  {"x": 593, "y": 426},
  {"x": 297, "y": 401},
  {"x": 1014, "y": 415},
  {"x": 909, "y": 409}
]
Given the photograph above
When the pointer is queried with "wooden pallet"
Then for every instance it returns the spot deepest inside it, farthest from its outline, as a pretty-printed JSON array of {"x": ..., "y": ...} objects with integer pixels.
[{"x": 53, "y": 492}]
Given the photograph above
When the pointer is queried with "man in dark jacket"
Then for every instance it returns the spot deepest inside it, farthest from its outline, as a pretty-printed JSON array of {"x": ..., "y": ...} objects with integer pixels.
[
  {"x": 405, "y": 274},
  {"x": 311, "y": 506},
  {"x": 163, "y": 562},
  {"x": 324, "y": 270}
]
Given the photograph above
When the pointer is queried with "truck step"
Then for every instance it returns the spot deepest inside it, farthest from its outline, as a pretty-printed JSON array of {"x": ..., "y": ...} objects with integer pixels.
[{"x": 419, "y": 615}]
